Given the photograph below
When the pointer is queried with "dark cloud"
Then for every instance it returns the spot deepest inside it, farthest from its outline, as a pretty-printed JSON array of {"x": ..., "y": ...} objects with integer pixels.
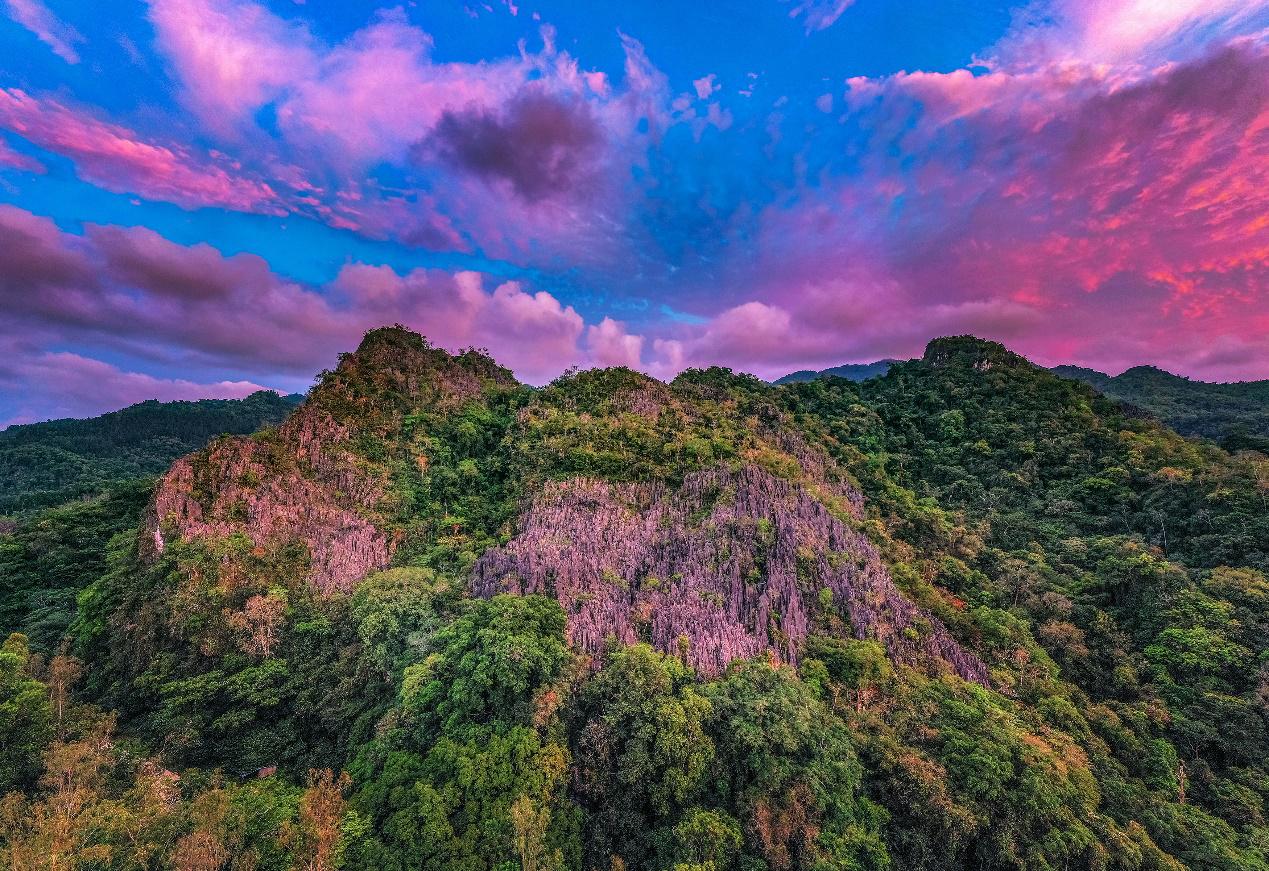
[
  {"x": 34, "y": 256},
  {"x": 131, "y": 295},
  {"x": 543, "y": 146}
]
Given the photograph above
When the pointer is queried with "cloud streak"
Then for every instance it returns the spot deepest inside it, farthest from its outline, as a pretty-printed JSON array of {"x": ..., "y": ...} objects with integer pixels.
[
  {"x": 121, "y": 160},
  {"x": 48, "y": 28}
]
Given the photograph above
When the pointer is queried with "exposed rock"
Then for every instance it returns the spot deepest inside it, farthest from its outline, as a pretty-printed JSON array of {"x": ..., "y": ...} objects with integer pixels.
[
  {"x": 302, "y": 487},
  {"x": 729, "y": 566}
]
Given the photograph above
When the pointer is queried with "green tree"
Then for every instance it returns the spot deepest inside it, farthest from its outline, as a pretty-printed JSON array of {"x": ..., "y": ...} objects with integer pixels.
[
  {"x": 491, "y": 663},
  {"x": 642, "y": 752},
  {"x": 789, "y": 767},
  {"x": 25, "y": 716}
]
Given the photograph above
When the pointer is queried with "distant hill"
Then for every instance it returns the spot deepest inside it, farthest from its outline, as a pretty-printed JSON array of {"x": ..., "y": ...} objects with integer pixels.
[
  {"x": 1235, "y": 414},
  {"x": 44, "y": 464},
  {"x": 849, "y": 371}
]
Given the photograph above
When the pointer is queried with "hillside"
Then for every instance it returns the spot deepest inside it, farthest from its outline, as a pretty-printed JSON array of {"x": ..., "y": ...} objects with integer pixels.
[
  {"x": 967, "y": 614},
  {"x": 1237, "y": 412},
  {"x": 74, "y": 484},
  {"x": 43, "y": 464}
]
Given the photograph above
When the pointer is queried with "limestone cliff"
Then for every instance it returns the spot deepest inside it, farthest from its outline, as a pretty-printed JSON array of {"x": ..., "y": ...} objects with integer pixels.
[
  {"x": 713, "y": 529},
  {"x": 731, "y": 565}
]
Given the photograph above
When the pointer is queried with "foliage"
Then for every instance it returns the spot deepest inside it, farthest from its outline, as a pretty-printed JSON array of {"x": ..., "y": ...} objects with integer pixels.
[
  {"x": 50, "y": 556},
  {"x": 1236, "y": 413},
  {"x": 25, "y": 715},
  {"x": 196, "y": 708}
]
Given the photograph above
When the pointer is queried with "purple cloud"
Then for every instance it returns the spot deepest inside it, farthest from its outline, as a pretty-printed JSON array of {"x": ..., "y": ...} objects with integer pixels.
[
  {"x": 543, "y": 146},
  {"x": 63, "y": 384},
  {"x": 818, "y": 14}
]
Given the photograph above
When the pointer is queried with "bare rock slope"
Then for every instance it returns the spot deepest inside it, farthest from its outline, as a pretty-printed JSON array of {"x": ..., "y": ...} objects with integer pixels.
[{"x": 731, "y": 565}]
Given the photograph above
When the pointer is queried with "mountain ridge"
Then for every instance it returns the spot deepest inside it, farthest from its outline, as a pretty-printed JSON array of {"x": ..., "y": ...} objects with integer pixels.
[
  {"x": 50, "y": 462},
  {"x": 968, "y": 614},
  {"x": 1234, "y": 413}
]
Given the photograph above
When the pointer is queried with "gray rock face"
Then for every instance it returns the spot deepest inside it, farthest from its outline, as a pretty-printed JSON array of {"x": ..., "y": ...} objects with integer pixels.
[
  {"x": 731, "y": 565},
  {"x": 312, "y": 496}
]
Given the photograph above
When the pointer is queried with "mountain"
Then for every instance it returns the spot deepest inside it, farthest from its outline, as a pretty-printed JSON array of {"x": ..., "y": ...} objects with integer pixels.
[
  {"x": 964, "y": 615},
  {"x": 44, "y": 464},
  {"x": 1236, "y": 412},
  {"x": 849, "y": 371}
]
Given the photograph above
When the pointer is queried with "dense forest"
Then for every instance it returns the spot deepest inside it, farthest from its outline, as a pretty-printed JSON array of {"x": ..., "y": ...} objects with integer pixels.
[
  {"x": 1233, "y": 414},
  {"x": 966, "y": 614},
  {"x": 50, "y": 463}
]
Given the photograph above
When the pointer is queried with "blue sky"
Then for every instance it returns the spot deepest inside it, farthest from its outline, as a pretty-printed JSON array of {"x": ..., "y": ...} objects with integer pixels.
[{"x": 223, "y": 194}]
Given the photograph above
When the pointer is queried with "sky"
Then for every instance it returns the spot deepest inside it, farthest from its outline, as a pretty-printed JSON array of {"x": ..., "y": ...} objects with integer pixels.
[{"x": 200, "y": 198}]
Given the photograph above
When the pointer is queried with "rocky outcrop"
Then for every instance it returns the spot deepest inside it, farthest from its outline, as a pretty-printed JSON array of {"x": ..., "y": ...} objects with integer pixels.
[
  {"x": 320, "y": 479},
  {"x": 300, "y": 486},
  {"x": 733, "y": 564}
]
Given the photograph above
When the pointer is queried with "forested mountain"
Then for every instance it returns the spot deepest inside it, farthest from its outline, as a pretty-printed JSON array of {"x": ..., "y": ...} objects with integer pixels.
[
  {"x": 967, "y": 614},
  {"x": 849, "y": 371},
  {"x": 73, "y": 484},
  {"x": 1237, "y": 412},
  {"x": 43, "y": 464}
]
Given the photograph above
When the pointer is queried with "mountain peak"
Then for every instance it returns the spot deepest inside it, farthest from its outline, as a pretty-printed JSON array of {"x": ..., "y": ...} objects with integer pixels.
[
  {"x": 328, "y": 479},
  {"x": 971, "y": 351}
]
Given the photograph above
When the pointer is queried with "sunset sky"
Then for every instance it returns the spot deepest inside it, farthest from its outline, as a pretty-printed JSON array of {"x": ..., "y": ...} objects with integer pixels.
[{"x": 201, "y": 197}]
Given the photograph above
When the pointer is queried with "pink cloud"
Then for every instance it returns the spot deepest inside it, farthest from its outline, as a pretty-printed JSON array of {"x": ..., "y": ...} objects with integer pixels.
[
  {"x": 366, "y": 99},
  {"x": 56, "y": 34},
  {"x": 377, "y": 94},
  {"x": 530, "y": 332},
  {"x": 608, "y": 344},
  {"x": 1117, "y": 31},
  {"x": 462, "y": 131},
  {"x": 137, "y": 293},
  {"x": 11, "y": 159},
  {"x": 705, "y": 86},
  {"x": 1105, "y": 218},
  {"x": 231, "y": 57},
  {"x": 120, "y": 160}
]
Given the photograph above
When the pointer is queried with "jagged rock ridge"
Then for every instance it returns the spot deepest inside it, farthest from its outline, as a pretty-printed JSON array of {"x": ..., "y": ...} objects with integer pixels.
[
  {"x": 734, "y": 562},
  {"x": 729, "y": 566}
]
